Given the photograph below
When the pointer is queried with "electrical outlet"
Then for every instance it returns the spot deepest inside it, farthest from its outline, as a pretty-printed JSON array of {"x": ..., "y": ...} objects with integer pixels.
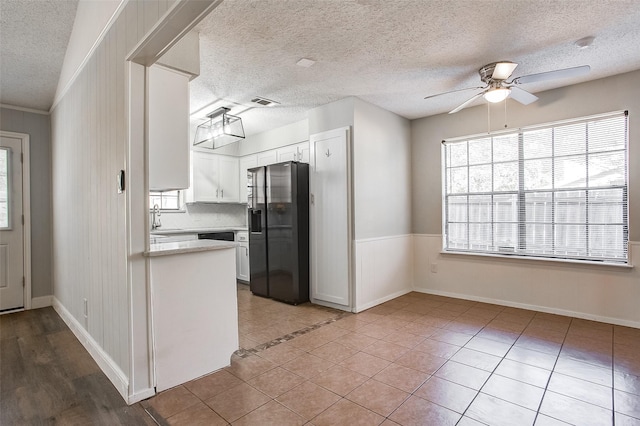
[
  {"x": 86, "y": 308},
  {"x": 434, "y": 268}
]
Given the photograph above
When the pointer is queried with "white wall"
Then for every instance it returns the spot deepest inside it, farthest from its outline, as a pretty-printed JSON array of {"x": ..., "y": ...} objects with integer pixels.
[
  {"x": 89, "y": 147},
  {"x": 598, "y": 292},
  {"x": 92, "y": 17}
]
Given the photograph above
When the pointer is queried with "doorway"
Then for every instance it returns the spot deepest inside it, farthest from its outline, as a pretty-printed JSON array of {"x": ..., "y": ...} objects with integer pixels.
[{"x": 15, "y": 283}]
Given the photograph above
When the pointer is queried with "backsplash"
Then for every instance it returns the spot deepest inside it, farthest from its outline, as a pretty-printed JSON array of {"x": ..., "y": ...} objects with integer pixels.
[{"x": 205, "y": 215}]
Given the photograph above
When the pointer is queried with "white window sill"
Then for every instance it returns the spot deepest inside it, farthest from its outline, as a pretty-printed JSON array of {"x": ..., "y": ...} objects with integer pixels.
[{"x": 538, "y": 259}]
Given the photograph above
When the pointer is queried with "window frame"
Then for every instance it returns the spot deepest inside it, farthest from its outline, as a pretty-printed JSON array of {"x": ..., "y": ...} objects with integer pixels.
[
  {"x": 520, "y": 249},
  {"x": 161, "y": 194}
]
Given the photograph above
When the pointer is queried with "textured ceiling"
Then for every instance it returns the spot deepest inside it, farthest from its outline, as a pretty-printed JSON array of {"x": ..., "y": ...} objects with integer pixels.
[
  {"x": 393, "y": 53},
  {"x": 33, "y": 40}
]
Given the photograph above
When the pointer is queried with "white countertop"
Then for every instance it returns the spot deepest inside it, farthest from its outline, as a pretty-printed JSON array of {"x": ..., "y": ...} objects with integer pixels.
[{"x": 179, "y": 247}]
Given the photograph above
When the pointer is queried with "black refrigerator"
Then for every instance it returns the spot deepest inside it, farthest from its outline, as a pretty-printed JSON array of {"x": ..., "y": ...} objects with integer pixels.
[{"x": 278, "y": 203}]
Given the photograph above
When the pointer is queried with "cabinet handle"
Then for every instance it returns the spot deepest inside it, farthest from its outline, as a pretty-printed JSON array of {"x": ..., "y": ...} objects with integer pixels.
[
  {"x": 217, "y": 190},
  {"x": 222, "y": 193},
  {"x": 246, "y": 249}
]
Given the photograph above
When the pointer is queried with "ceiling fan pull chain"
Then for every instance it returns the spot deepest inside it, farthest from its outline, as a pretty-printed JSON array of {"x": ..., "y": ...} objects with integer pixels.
[
  {"x": 488, "y": 118},
  {"x": 505, "y": 113}
]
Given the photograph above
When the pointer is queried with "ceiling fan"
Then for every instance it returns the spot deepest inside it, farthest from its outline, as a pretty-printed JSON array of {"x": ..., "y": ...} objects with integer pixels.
[{"x": 496, "y": 74}]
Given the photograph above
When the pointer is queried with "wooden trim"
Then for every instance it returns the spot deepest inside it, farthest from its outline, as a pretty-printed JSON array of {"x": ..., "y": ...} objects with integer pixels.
[{"x": 18, "y": 108}]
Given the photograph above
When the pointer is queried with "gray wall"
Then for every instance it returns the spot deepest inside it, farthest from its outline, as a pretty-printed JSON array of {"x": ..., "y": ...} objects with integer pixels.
[
  {"x": 38, "y": 127},
  {"x": 621, "y": 92}
]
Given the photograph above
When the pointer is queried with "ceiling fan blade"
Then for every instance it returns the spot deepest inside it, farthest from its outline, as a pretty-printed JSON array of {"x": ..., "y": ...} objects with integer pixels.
[
  {"x": 522, "y": 96},
  {"x": 476, "y": 96},
  {"x": 454, "y": 91},
  {"x": 551, "y": 75},
  {"x": 503, "y": 70}
]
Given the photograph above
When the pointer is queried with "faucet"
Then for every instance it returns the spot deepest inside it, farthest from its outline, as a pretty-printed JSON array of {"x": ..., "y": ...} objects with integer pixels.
[{"x": 155, "y": 217}]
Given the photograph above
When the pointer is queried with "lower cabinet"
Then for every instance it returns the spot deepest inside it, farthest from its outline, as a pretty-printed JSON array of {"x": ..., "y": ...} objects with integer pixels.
[{"x": 242, "y": 257}]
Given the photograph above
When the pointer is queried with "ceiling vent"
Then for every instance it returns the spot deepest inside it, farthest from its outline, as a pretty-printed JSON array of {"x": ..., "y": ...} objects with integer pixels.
[{"x": 264, "y": 101}]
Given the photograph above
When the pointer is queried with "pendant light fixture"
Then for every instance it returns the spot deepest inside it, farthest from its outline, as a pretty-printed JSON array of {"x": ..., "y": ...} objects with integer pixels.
[
  {"x": 221, "y": 129},
  {"x": 498, "y": 94}
]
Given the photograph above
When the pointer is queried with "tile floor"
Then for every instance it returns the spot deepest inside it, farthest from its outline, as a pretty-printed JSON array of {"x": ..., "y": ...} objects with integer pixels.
[{"x": 415, "y": 360}]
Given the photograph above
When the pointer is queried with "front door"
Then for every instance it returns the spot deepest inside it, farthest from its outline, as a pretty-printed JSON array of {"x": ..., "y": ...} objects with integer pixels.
[{"x": 11, "y": 227}]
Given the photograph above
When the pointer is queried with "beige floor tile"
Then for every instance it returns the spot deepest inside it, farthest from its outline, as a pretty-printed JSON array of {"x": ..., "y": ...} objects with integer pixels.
[
  {"x": 275, "y": 382},
  {"x": 421, "y": 361},
  {"x": 403, "y": 338},
  {"x": 623, "y": 420},
  {"x": 513, "y": 391},
  {"x": 172, "y": 401},
  {"x": 197, "y": 415},
  {"x": 629, "y": 383},
  {"x": 525, "y": 373},
  {"x": 488, "y": 346},
  {"x": 282, "y": 353},
  {"x": 531, "y": 357},
  {"x": 237, "y": 401},
  {"x": 355, "y": 341},
  {"x": 308, "y": 342},
  {"x": 434, "y": 347},
  {"x": 209, "y": 386},
  {"x": 339, "y": 379},
  {"x": 307, "y": 365},
  {"x": 385, "y": 350},
  {"x": 366, "y": 364},
  {"x": 343, "y": 410},
  {"x": 542, "y": 420},
  {"x": 584, "y": 371},
  {"x": 538, "y": 344},
  {"x": 581, "y": 389},
  {"x": 417, "y": 411},
  {"x": 451, "y": 337},
  {"x": 401, "y": 377},
  {"x": 574, "y": 411},
  {"x": 247, "y": 368},
  {"x": 463, "y": 375},
  {"x": 476, "y": 359},
  {"x": 627, "y": 403},
  {"x": 272, "y": 413},
  {"x": 447, "y": 394},
  {"x": 308, "y": 399},
  {"x": 497, "y": 412},
  {"x": 334, "y": 352},
  {"x": 378, "y": 397}
]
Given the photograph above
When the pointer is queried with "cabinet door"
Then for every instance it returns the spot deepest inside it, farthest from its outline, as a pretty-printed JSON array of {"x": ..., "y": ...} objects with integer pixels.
[
  {"x": 168, "y": 98},
  {"x": 205, "y": 177},
  {"x": 228, "y": 179},
  {"x": 246, "y": 163},
  {"x": 303, "y": 152},
  {"x": 287, "y": 153},
  {"x": 242, "y": 262},
  {"x": 266, "y": 158}
]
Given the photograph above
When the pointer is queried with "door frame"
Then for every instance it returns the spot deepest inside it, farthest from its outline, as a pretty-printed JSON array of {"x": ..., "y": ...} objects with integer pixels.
[{"x": 26, "y": 212}]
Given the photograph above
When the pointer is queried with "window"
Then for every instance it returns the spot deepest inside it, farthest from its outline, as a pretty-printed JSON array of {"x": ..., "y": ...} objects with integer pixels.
[
  {"x": 4, "y": 188},
  {"x": 554, "y": 191},
  {"x": 166, "y": 200}
]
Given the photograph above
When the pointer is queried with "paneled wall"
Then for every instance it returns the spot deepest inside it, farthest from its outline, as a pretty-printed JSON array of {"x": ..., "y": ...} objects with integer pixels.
[
  {"x": 89, "y": 144},
  {"x": 38, "y": 127}
]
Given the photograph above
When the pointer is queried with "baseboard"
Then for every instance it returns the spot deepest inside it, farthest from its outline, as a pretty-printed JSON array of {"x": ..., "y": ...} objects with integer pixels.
[
  {"x": 41, "y": 302},
  {"x": 141, "y": 396},
  {"x": 381, "y": 300},
  {"x": 565, "y": 312},
  {"x": 104, "y": 361}
]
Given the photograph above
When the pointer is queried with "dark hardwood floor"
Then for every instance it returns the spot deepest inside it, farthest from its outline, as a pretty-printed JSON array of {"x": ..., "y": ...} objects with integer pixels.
[{"x": 47, "y": 377}]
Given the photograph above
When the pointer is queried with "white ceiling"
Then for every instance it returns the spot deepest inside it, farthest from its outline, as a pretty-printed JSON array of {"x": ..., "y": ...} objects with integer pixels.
[
  {"x": 393, "y": 53},
  {"x": 33, "y": 40}
]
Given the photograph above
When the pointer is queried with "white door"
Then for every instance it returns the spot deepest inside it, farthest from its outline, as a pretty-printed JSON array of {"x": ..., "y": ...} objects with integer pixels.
[
  {"x": 11, "y": 228},
  {"x": 330, "y": 217},
  {"x": 229, "y": 183},
  {"x": 205, "y": 177}
]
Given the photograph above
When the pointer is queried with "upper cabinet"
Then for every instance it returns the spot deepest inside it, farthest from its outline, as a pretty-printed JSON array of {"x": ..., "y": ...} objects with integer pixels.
[
  {"x": 215, "y": 178},
  {"x": 168, "y": 100},
  {"x": 298, "y": 152},
  {"x": 247, "y": 162}
]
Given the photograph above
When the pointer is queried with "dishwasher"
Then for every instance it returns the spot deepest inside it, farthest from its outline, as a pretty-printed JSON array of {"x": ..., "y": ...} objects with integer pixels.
[{"x": 221, "y": 236}]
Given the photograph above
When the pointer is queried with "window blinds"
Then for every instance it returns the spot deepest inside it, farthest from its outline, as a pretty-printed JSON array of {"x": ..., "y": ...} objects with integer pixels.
[{"x": 556, "y": 191}]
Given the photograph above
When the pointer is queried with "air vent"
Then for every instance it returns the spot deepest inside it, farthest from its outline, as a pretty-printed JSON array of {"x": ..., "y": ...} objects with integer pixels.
[{"x": 264, "y": 101}]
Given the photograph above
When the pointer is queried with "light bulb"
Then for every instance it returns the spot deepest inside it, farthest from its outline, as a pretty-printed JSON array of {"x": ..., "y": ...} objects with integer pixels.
[{"x": 497, "y": 95}]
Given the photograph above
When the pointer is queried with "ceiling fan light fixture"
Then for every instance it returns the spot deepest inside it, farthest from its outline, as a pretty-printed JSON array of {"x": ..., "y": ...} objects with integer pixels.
[{"x": 498, "y": 94}]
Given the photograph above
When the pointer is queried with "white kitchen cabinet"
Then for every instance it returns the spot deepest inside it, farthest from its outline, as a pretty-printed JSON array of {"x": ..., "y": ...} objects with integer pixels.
[
  {"x": 298, "y": 152},
  {"x": 266, "y": 157},
  {"x": 246, "y": 163},
  {"x": 242, "y": 256},
  {"x": 168, "y": 100},
  {"x": 215, "y": 178}
]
